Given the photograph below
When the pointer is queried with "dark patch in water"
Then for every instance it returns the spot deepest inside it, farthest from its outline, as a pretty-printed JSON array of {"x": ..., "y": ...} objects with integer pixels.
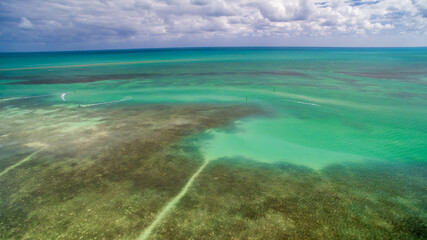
[
  {"x": 241, "y": 199},
  {"x": 76, "y": 189},
  {"x": 95, "y": 78},
  {"x": 406, "y": 95},
  {"x": 414, "y": 226},
  {"x": 76, "y": 78},
  {"x": 410, "y": 77}
]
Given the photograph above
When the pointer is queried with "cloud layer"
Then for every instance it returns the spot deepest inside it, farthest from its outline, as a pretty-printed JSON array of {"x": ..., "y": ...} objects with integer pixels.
[{"x": 63, "y": 24}]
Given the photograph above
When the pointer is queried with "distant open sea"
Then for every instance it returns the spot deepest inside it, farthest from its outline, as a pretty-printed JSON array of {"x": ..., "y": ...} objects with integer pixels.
[{"x": 214, "y": 143}]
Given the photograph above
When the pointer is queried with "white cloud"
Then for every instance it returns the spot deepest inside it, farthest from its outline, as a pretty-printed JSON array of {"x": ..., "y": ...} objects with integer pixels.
[
  {"x": 284, "y": 11},
  {"x": 25, "y": 23},
  {"x": 172, "y": 20}
]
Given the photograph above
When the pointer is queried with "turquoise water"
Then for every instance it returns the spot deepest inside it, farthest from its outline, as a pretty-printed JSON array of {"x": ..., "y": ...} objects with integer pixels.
[
  {"x": 329, "y": 105},
  {"x": 314, "y": 108}
]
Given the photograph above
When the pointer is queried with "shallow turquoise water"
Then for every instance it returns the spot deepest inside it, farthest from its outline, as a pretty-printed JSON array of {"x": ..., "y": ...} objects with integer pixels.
[
  {"x": 325, "y": 105},
  {"x": 298, "y": 143}
]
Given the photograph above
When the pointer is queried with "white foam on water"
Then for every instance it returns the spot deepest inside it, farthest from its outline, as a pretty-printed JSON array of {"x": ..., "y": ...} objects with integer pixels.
[
  {"x": 102, "y": 103},
  {"x": 27, "y": 97},
  {"x": 306, "y": 103}
]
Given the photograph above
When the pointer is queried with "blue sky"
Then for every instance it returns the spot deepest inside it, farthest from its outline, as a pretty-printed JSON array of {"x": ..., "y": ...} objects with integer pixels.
[{"x": 48, "y": 25}]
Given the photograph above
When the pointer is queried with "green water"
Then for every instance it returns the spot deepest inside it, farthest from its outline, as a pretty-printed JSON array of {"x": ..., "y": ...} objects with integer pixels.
[
  {"x": 329, "y": 105},
  {"x": 314, "y": 108}
]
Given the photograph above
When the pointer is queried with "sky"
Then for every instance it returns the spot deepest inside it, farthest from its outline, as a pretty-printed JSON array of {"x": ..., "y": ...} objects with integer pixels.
[{"x": 58, "y": 25}]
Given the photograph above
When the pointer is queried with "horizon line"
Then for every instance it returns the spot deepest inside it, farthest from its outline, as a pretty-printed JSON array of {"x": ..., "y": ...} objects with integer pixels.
[{"x": 205, "y": 47}]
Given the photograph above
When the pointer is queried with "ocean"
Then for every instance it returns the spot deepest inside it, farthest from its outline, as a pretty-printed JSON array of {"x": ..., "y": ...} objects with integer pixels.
[{"x": 214, "y": 143}]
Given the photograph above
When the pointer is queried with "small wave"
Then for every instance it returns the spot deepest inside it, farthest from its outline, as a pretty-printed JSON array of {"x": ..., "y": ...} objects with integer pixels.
[
  {"x": 27, "y": 97},
  {"x": 313, "y": 104},
  {"x": 102, "y": 103},
  {"x": 306, "y": 103}
]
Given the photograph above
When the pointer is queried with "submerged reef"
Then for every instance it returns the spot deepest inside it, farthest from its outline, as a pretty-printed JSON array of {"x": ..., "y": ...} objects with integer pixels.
[
  {"x": 105, "y": 173},
  {"x": 243, "y": 199},
  {"x": 250, "y": 143},
  {"x": 99, "y": 173}
]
